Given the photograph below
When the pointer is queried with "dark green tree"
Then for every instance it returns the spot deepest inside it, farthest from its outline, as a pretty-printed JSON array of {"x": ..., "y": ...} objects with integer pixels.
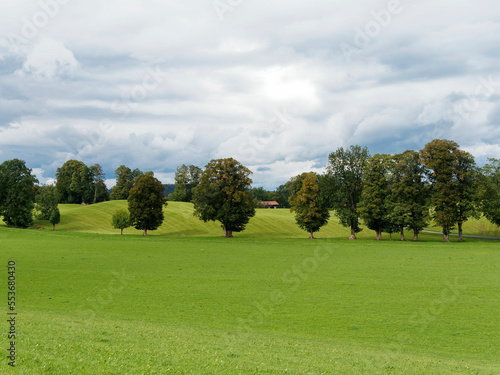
[
  {"x": 186, "y": 179},
  {"x": 345, "y": 169},
  {"x": 410, "y": 194},
  {"x": 137, "y": 172},
  {"x": 490, "y": 192},
  {"x": 169, "y": 189},
  {"x": 125, "y": 178},
  {"x": 100, "y": 189},
  {"x": 121, "y": 220},
  {"x": 373, "y": 207},
  {"x": 452, "y": 173},
  {"x": 74, "y": 182},
  {"x": 327, "y": 190},
  {"x": 17, "y": 193},
  {"x": 55, "y": 217},
  {"x": 310, "y": 213},
  {"x": 467, "y": 179},
  {"x": 259, "y": 194},
  {"x": 294, "y": 186},
  {"x": 438, "y": 157},
  {"x": 223, "y": 195},
  {"x": 47, "y": 201},
  {"x": 281, "y": 195},
  {"x": 146, "y": 200}
]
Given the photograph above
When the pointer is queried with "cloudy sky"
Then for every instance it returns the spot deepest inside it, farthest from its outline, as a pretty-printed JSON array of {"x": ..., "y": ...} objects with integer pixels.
[{"x": 277, "y": 85}]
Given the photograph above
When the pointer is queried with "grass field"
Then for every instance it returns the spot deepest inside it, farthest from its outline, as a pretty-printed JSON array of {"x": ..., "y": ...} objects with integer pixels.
[
  {"x": 179, "y": 221},
  {"x": 185, "y": 301}
]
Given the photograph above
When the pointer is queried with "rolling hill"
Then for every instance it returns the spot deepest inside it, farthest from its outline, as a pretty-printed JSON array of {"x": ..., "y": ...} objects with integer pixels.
[{"x": 179, "y": 221}]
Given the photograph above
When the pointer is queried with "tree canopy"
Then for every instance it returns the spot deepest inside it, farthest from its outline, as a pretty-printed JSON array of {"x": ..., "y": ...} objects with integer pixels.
[
  {"x": 47, "y": 208},
  {"x": 490, "y": 195},
  {"x": 310, "y": 213},
  {"x": 389, "y": 192},
  {"x": 410, "y": 193},
  {"x": 223, "y": 195},
  {"x": 345, "y": 171},
  {"x": 125, "y": 178},
  {"x": 145, "y": 203},
  {"x": 17, "y": 193},
  {"x": 121, "y": 220},
  {"x": 74, "y": 182},
  {"x": 374, "y": 207},
  {"x": 281, "y": 195},
  {"x": 452, "y": 173},
  {"x": 186, "y": 179},
  {"x": 55, "y": 217},
  {"x": 100, "y": 190}
]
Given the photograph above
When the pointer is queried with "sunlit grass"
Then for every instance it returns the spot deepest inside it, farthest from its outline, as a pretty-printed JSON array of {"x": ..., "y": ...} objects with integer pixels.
[{"x": 111, "y": 304}]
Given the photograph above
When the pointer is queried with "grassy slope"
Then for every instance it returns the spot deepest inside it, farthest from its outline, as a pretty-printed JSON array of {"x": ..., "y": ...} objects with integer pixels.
[
  {"x": 131, "y": 305},
  {"x": 478, "y": 227},
  {"x": 179, "y": 221},
  {"x": 205, "y": 305}
]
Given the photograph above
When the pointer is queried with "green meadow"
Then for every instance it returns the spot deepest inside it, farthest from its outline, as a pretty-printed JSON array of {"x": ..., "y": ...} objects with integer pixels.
[{"x": 269, "y": 301}]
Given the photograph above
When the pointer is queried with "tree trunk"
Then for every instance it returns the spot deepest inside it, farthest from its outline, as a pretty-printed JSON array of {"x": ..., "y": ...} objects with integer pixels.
[
  {"x": 145, "y": 232},
  {"x": 446, "y": 235},
  {"x": 227, "y": 233},
  {"x": 53, "y": 227},
  {"x": 95, "y": 194},
  {"x": 353, "y": 234},
  {"x": 122, "y": 231},
  {"x": 415, "y": 235},
  {"x": 379, "y": 234},
  {"x": 402, "y": 229},
  {"x": 312, "y": 235},
  {"x": 390, "y": 236},
  {"x": 460, "y": 232}
]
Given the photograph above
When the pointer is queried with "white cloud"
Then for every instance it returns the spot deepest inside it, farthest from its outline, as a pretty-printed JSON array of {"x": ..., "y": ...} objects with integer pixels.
[
  {"x": 220, "y": 82},
  {"x": 484, "y": 150},
  {"x": 49, "y": 59}
]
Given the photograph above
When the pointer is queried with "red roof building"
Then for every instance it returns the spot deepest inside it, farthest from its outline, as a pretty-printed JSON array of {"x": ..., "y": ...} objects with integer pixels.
[{"x": 269, "y": 204}]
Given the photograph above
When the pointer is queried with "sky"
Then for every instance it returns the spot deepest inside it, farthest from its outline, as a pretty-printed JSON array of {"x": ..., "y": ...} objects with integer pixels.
[{"x": 277, "y": 85}]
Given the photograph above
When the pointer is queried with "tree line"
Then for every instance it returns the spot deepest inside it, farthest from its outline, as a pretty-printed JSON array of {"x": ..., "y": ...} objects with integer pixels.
[{"x": 388, "y": 193}]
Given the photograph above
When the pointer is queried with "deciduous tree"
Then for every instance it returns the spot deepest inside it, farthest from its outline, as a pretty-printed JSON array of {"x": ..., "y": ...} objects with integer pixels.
[
  {"x": 410, "y": 194},
  {"x": 438, "y": 157},
  {"x": 466, "y": 178},
  {"x": 345, "y": 168},
  {"x": 74, "y": 182},
  {"x": 47, "y": 208},
  {"x": 16, "y": 193},
  {"x": 100, "y": 189},
  {"x": 310, "y": 213},
  {"x": 125, "y": 178},
  {"x": 281, "y": 195},
  {"x": 186, "y": 179},
  {"x": 121, "y": 220},
  {"x": 223, "y": 195},
  {"x": 124, "y": 182},
  {"x": 373, "y": 207},
  {"x": 452, "y": 174},
  {"x": 55, "y": 217},
  {"x": 145, "y": 203},
  {"x": 490, "y": 196}
]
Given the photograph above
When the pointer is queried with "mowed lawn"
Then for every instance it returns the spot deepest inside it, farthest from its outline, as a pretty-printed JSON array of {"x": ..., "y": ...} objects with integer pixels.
[
  {"x": 110, "y": 304},
  {"x": 180, "y": 222}
]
